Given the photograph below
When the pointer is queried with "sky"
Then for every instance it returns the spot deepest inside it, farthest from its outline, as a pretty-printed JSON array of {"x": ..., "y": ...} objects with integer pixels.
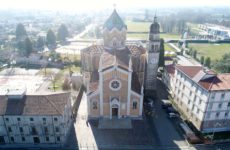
[{"x": 106, "y": 4}]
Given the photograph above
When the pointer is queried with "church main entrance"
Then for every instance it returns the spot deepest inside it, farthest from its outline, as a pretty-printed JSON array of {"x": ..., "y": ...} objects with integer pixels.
[{"x": 114, "y": 112}]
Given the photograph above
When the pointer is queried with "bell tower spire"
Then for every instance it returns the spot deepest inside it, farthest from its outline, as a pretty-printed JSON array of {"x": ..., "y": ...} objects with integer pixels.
[
  {"x": 155, "y": 17},
  {"x": 153, "y": 57}
]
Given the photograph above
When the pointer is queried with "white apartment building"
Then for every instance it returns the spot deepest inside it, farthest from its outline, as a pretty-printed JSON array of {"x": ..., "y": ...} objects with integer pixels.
[
  {"x": 203, "y": 96},
  {"x": 34, "y": 119},
  {"x": 168, "y": 76}
]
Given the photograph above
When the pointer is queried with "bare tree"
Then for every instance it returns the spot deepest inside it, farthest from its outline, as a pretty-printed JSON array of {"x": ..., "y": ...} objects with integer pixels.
[
  {"x": 66, "y": 84},
  {"x": 54, "y": 78}
]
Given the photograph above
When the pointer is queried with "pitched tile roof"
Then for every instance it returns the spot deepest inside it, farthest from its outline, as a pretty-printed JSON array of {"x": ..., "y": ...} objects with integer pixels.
[
  {"x": 119, "y": 58},
  {"x": 209, "y": 80},
  {"x": 221, "y": 82},
  {"x": 135, "y": 84},
  {"x": 93, "y": 49},
  {"x": 170, "y": 69},
  {"x": 94, "y": 81},
  {"x": 190, "y": 71},
  {"x": 136, "y": 50},
  {"x": 49, "y": 104}
]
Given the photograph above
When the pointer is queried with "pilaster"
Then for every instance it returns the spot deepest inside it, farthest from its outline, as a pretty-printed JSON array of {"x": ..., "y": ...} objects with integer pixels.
[{"x": 101, "y": 92}]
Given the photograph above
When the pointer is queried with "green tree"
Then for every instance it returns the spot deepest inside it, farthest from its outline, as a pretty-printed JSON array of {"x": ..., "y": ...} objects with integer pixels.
[
  {"x": 194, "y": 54},
  {"x": 207, "y": 62},
  {"x": 62, "y": 33},
  {"x": 40, "y": 43},
  {"x": 54, "y": 79},
  {"x": 20, "y": 32},
  {"x": 28, "y": 46},
  {"x": 223, "y": 65},
  {"x": 182, "y": 51},
  {"x": 190, "y": 51},
  {"x": 51, "y": 38},
  {"x": 161, "y": 62},
  {"x": 54, "y": 56},
  {"x": 21, "y": 46},
  {"x": 186, "y": 44},
  {"x": 202, "y": 60}
]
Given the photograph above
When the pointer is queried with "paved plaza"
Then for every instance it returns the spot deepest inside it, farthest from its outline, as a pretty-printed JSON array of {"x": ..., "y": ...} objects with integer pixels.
[{"x": 90, "y": 136}]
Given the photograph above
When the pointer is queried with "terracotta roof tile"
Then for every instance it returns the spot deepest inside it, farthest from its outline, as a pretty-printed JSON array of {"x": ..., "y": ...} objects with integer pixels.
[
  {"x": 214, "y": 81},
  {"x": 94, "y": 81},
  {"x": 190, "y": 71},
  {"x": 136, "y": 86},
  {"x": 119, "y": 58},
  {"x": 93, "y": 49},
  {"x": 136, "y": 50},
  {"x": 170, "y": 69},
  {"x": 222, "y": 82},
  {"x": 51, "y": 104}
]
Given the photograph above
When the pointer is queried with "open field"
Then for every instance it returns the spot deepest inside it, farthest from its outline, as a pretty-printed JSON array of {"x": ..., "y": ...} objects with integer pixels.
[
  {"x": 214, "y": 51},
  {"x": 138, "y": 26},
  {"x": 142, "y": 29},
  {"x": 194, "y": 28},
  {"x": 144, "y": 36},
  {"x": 170, "y": 36}
]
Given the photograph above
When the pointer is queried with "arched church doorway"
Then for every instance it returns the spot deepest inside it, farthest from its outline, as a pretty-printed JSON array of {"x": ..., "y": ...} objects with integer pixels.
[
  {"x": 114, "y": 108},
  {"x": 114, "y": 111}
]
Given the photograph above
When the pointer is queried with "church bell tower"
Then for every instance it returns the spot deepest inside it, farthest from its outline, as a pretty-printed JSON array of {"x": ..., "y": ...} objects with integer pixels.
[{"x": 153, "y": 57}]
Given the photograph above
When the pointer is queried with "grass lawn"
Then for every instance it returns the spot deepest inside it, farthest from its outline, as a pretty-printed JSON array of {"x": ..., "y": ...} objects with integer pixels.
[
  {"x": 214, "y": 51},
  {"x": 194, "y": 28},
  {"x": 138, "y": 36},
  {"x": 138, "y": 26},
  {"x": 144, "y": 36},
  {"x": 71, "y": 57},
  {"x": 169, "y": 48},
  {"x": 144, "y": 27},
  {"x": 170, "y": 36}
]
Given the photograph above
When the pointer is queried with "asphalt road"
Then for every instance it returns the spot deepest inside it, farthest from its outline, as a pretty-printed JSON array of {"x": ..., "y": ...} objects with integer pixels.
[
  {"x": 167, "y": 134},
  {"x": 167, "y": 131}
]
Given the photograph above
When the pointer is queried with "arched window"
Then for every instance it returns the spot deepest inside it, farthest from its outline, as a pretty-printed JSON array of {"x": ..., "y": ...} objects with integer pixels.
[
  {"x": 114, "y": 43},
  {"x": 134, "y": 104},
  {"x": 94, "y": 105}
]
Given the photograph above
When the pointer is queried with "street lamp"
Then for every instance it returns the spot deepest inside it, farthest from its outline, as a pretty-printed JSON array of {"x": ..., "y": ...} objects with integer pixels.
[{"x": 217, "y": 124}]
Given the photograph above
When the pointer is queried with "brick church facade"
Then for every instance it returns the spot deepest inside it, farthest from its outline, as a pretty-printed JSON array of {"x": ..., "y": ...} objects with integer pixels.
[{"x": 114, "y": 74}]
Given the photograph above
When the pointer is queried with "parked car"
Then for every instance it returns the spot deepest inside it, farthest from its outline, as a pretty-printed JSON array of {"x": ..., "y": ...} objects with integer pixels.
[
  {"x": 165, "y": 104},
  {"x": 159, "y": 74},
  {"x": 172, "y": 115},
  {"x": 171, "y": 110}
]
